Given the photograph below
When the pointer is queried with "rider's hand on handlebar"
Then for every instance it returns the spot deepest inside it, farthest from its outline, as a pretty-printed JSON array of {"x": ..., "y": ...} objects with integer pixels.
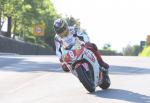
[{"x": 83, "y": 44}]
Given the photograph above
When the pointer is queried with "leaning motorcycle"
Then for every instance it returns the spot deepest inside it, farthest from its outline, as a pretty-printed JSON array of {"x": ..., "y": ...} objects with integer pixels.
[{"x": 84, "y": 65}]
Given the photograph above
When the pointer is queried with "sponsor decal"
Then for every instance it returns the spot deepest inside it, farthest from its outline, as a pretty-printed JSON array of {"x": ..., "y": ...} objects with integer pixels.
[{"x": 90, "y": 56}]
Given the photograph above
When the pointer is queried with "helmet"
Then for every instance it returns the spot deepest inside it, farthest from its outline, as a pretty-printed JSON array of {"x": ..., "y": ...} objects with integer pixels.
[{"x": 61, "y": 27}]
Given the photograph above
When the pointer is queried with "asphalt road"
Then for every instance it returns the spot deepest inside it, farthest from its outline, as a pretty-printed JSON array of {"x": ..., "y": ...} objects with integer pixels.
[{"x": 39, "y": 79}]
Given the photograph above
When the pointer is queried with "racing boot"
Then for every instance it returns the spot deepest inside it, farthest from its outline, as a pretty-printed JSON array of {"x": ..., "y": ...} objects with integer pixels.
[
  {"x": 105, "y": 80},
  {"x": 104, "y": 69},
  {"x": 103, "y": 75}
]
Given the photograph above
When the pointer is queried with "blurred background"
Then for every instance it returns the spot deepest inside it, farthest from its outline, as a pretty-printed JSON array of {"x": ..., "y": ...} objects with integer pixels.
[{"x": 117, "y": 27}]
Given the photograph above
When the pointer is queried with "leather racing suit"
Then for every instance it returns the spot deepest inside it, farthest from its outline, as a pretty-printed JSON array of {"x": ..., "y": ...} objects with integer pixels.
[{"x": 70, "y": 39}]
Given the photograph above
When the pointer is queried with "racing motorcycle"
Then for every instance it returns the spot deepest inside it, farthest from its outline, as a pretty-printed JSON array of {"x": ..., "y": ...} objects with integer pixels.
[{"x": 84, "y": 65}]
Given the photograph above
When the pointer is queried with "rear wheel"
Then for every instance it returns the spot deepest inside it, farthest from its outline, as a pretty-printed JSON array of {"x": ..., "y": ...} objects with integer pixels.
[
  {"x": 86, "y": 77},
  {"x": 106, "y": 81}
]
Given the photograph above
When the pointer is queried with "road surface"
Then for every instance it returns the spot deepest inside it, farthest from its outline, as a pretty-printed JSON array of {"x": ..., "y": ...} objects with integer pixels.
[{"x": 39, "y": 79}]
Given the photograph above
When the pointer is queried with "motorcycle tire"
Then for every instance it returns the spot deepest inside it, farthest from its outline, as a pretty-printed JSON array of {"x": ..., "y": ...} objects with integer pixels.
[
  {"x": 86, "y": 78},
  {"x": 105, "y": 82}
]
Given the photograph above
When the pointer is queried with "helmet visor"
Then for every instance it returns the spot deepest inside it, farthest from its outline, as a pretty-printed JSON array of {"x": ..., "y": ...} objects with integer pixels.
[
  {"x": 64, "y": 33},
  {"x": 60, "y": 30}
]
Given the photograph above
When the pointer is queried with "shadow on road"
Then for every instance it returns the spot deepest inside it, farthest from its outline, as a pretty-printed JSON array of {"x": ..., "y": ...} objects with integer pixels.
[
  {"x": 124, "y": 70},
  {"x": 125, "y": 95},
  {"x": 8, "y": 61},
  {"x": 23, "y": 65}
]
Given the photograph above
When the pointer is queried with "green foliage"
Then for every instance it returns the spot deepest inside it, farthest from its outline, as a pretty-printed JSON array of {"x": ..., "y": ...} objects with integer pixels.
[
  {"x": 136, "y": 50},
  {"x": 127, "y": 51},
  {"x": 25, "y": 13},
  {"x": 30, "y": 39},
  {"x": 145, "y": 52},
  {"x": 107, "y": 46},
  {"x": 106, "y": 50},
  {"x": 109, "y": 52},
  {"x": 8, "y": 9},
  {"x": 131, "y": 50},
  {"x": 73, "y": 22}
]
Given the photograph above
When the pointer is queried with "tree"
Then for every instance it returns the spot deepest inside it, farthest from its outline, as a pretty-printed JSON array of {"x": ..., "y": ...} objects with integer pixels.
[
  {"x": 127, "y": 51},
  {"x": 136, "y": 50},
  {"x": 22, "y": 14},
  {"x": 107, "y": 46},
  {"x": 2, "y": 3},
  {"x": 73, "y": 22},
  {"x": 39, "y": 12},
  {"x": 9, "y": 11},
  {"x": 131, "y": 50}
]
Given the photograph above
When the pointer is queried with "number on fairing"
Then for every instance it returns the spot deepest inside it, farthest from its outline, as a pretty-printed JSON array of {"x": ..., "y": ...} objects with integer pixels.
[{"x": 71, "y": 54}]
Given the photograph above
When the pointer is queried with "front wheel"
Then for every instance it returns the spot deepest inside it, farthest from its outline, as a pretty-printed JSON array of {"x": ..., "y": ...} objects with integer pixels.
[{"x": 86, "y": 78}]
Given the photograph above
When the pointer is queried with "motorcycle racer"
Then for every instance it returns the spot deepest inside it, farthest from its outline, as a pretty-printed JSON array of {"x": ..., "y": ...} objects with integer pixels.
[{"x": 65, "y": 36}]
